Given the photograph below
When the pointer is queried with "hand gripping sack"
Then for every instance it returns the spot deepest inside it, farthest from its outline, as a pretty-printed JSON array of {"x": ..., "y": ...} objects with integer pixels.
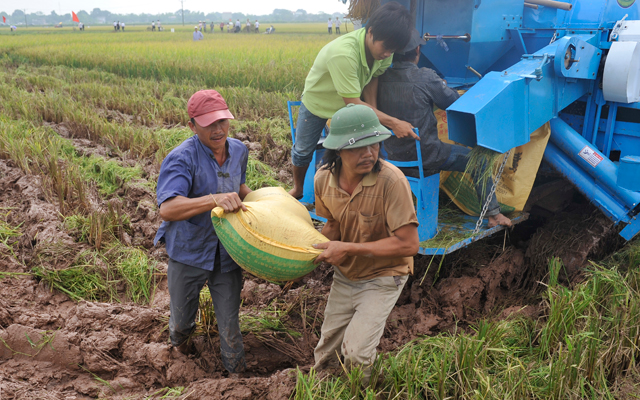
[{"x": 273, "y": 239}]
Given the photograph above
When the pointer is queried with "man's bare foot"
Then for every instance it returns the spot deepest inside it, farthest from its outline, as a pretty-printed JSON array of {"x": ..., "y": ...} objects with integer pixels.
[
  {"x": 499, "y": 219},
  {"x": 296, "y": 193}
]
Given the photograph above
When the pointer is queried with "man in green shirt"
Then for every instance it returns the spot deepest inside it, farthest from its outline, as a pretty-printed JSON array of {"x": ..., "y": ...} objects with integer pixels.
[{"x": 344, "y": 70}]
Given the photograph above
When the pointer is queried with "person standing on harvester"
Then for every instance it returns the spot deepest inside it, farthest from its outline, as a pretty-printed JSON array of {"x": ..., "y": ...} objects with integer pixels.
[
  {"x": 410, "y": 93},
  {"x": 373, "y": 232},
  {"x": 207, "y": 170},
  {"x": 345, "y": 69}
]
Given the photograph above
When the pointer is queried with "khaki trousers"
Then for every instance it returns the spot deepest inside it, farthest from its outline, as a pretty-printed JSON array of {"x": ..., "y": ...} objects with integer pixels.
[{"x": 354, "y": 320}]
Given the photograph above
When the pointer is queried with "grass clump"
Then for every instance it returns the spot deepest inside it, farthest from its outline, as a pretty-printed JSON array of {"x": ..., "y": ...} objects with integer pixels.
[
  {"x": 104, "y": 276},
  {"x": 136, "y": 270},
  {"x": 8, "y": 233},
  {"x": 108, "y": 175},
  {"x": 99, "y": 227},
  {"x": 260, "y": 175},
  {"x": 79, "y": 282}
]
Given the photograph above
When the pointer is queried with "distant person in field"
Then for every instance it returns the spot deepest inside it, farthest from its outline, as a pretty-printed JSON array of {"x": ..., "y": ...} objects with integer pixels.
[
  {"x": 237, "y": 27},
  {"x": 337, "y": 24},
  {"x": 222, "y": 27},
  {"x": 118, "y": 26},
  {"x": 409, "y": 93},
  {"x": 115, "y": 28},
  {"x": 373, "y": 232},
  {"x": 153, "y": 26},
  {"x": 344, "y": 70},
  {"x": 257, "y": 26},
  {"x": 159, "y": 26},
  {"x": 229, "y": 25},
  {"x": 212, "y": 26},
  {"x": 248, "y": 26},
  {"x": 121, "y": 26},
  {"x": 197, "y": 35},
  {"x": 207, "y": 170},
  {"x": 329, "y": 25}
]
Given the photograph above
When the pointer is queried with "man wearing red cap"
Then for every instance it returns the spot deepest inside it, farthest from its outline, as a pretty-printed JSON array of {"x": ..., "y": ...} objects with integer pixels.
[{"x": 207, "y": 170}]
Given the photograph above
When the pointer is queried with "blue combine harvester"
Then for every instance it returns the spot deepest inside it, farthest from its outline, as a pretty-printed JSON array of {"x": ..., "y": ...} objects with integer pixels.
[{"x": 574, "y": 64}]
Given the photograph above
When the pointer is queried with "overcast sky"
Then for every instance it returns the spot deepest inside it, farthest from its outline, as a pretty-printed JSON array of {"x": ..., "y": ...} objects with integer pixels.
[{"x": 258, "y": 7}]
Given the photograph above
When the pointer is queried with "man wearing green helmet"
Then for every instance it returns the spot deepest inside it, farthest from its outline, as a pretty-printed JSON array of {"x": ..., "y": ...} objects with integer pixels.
[{"x": 373, "y": 228}]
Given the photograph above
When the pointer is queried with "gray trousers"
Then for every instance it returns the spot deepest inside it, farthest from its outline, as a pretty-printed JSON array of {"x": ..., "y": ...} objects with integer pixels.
[
  {"x": 354, "y": 321},
  {"x": 185, "y": 283}
]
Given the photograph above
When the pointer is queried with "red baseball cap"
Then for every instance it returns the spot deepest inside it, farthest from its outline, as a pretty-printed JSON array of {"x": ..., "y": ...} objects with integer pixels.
[{"x": 208, "y": 106}]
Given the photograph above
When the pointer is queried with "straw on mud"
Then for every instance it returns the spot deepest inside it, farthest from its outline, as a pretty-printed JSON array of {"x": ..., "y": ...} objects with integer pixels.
[
  {"x": 8, "y": 235},
  {"x": 4, "y": 275},
  {"x": 81, "y": 282},
  {"x": 137, "y": 270}
]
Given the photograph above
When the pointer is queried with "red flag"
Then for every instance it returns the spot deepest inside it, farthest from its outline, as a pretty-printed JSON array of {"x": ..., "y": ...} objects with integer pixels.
[
  {"x": 75, "y": 17},
  {"x": 4, "y": 19}
]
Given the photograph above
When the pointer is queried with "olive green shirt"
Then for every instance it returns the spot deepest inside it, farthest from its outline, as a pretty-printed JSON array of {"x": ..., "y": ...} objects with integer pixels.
[{"x": 340, "y": 70}]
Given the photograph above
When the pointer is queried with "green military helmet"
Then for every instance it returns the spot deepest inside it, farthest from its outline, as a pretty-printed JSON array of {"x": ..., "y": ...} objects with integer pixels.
[{"x": 355, "y": 126}]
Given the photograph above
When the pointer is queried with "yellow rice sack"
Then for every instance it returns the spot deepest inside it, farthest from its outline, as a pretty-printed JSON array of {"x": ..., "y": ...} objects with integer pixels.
[
  {"x": 517, "y": 179},
  {"x": 273, "y": 239}
]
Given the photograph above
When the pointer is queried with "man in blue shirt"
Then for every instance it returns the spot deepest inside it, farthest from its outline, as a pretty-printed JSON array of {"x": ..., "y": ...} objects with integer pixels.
[{"x": 207, "y": 170}]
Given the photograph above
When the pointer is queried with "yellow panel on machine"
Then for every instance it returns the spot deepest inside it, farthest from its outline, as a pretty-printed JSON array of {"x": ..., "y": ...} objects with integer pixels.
[{"x": 273, "y": 239}]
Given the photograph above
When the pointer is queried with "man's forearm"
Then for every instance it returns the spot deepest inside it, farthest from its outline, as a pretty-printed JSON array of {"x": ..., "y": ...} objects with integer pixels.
[
  {"x": 182, "y": 208},
  {"x": 244, "y": 190},
  {"x": 385, "y": 119},
  {"x": 370, "y": 93}
]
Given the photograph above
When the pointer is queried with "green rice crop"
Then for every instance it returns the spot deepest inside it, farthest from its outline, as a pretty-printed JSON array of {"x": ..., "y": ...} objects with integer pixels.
[
  {"x": 588, "y": 340},
  {"x": 136, "y": 269},
  {"x": 483, "y": 165},
  {"x": 108, "y": 175},
  {"x": 260, "y": 175},
  {"x": 8, "y": 233},
  {"x": 79, "y": 282},
  {"x": 267, "y": 62},
  {"x": 96, "y": 276}
]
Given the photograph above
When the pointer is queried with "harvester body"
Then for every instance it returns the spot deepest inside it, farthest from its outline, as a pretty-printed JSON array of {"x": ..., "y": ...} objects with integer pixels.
[{"x": 574, "y": 64}]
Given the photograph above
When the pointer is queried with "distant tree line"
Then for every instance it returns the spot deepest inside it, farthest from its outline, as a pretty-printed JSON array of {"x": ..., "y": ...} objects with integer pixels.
[{"x": 99, "y": 17}]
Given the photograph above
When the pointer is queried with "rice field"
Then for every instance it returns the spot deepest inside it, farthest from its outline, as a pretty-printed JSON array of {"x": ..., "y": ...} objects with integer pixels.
[{"x": 87, "y": 118}]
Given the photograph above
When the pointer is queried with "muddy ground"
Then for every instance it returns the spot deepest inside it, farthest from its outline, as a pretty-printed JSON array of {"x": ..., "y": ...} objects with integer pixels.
[{"x": 55, "y": 348}]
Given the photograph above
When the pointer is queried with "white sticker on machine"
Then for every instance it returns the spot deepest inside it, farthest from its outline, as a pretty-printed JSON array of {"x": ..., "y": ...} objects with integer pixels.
[{"x": 590, "y": 156}]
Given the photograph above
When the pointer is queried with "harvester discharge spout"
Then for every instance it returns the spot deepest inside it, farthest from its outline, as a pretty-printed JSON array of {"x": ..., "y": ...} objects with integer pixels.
[{"x": 574, "y": 63}]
